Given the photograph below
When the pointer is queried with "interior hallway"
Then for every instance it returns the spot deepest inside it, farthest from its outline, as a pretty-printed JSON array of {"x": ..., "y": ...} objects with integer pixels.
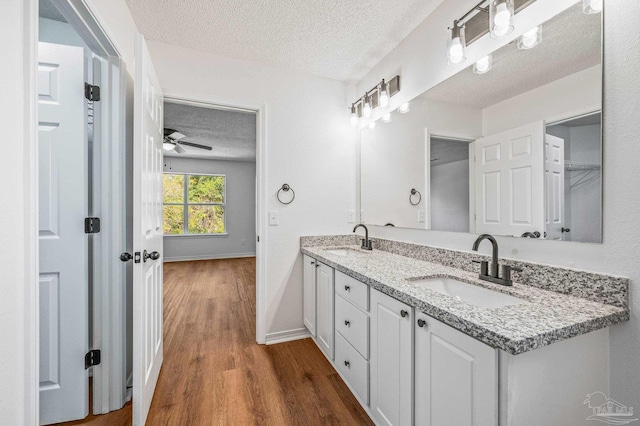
[{"x": 215, "y": 374}]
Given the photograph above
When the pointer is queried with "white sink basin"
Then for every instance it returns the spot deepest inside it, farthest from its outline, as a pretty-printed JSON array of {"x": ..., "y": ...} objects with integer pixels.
[
  {"x": 469, "y": 293},
  {"x": 344, "y": 251}
]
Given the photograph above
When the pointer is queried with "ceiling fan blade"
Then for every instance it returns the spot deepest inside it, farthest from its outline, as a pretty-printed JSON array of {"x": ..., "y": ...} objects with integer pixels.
[
  {"x": 195, "y": 145},
  {"x": 179, "y": 149},
  {"x": 173, "y": 134}
]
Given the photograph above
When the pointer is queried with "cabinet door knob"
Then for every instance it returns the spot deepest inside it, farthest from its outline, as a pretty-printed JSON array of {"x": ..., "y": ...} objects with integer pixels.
[
  {"x": 347, "y": 323},
  {"x": 347, "y": 288},
  {"x": 421, "y": 323},
  {"x": 403, "y": 313},
  {"x": 347, "y": 364},
  {"x": 313, "y": 263}
]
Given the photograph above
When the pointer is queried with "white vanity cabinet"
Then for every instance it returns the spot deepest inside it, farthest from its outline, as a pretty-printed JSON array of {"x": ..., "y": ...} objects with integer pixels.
[
  {"x": 309, "y": 294},
  {"x": 456, "y": 377},
  {"x": 391, "y": 360},
  {"x": 318, "y": 303}
]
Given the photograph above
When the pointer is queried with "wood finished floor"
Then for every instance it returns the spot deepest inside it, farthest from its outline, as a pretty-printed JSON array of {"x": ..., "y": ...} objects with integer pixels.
[{"x": 215, "y": 374}]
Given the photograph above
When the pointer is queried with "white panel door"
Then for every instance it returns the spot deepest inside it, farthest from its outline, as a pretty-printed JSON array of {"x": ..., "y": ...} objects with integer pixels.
[
  {"x": 147, "y": 232},
  {"x": 391, "y": 359},
  {"x": 62, "y": 189},
  {"x": 456, "y": 378},
  {"x": 554, "y": 183},
  {"x": 309, "y": 296},
  {"x": 509, "y": 179},
  {"x": 324, "y": 313}
]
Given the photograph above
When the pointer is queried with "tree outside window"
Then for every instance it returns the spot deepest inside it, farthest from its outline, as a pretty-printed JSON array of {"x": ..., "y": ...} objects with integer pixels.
[{"x": 194, "y": 204}]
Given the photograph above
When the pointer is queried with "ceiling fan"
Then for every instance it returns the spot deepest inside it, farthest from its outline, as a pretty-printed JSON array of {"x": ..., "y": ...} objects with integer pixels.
[{"x": 173, "y": 140}]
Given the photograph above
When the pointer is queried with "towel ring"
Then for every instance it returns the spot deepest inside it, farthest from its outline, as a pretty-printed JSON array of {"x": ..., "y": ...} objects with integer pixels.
[
  {"x": 286, "y": 188},
  {"x": 414, "y": 192}
]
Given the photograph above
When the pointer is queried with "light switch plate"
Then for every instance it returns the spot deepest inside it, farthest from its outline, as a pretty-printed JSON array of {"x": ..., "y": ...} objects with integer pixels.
[
  {"x": 273, "y": 218},
  {"x": 421, "y": 216},
  {"x": 351, "y": 216}
]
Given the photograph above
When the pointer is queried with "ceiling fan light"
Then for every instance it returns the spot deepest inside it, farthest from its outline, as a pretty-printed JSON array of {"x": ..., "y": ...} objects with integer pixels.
[{"x": 168, "y": 146}]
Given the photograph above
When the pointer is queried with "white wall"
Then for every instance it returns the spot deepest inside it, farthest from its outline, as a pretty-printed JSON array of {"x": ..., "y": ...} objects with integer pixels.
[
  {"x": 240, "y": 212},
  {"x": 310, "y": 145},
  {"x": 421, "y": 61},
  {"x": 450, "y": 196},
  {"x": 571, "y": 96}
]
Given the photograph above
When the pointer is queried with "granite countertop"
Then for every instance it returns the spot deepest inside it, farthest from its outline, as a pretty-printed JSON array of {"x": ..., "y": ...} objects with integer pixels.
[{"x": 548, "y": 316}]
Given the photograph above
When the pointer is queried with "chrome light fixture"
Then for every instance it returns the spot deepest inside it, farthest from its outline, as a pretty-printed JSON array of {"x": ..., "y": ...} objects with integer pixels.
[
  {"x": 591, "y": 6},
  {"x": 383, "y": 97},
  {"x": 483, "y": 65},
  {"x": 354, "y": 115},
  {"x": 378, "y": 96},
  {"x": 531, "y": 38},
  {"x": 500, "y": 14},
  {"x": 457, "y": 44}
]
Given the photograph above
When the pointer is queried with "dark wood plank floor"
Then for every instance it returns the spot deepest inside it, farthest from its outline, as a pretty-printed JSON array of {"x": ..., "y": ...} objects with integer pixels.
[{"x": 215, "y": 374}]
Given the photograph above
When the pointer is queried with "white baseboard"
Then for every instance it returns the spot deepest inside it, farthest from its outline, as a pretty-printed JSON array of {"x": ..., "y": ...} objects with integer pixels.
[
  {"x": 207, "y": 257},
  {"x": 287, "y": 336}
]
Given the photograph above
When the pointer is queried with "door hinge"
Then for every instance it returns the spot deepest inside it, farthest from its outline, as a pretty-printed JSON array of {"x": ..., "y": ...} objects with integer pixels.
[
  {"x": 91, "y": 92},
  {"x": 92, "y": 358},
  {"x": 258, "y": 238},
  {"x": 136, "y": 257},
  {"x": 91, "y": 225}
]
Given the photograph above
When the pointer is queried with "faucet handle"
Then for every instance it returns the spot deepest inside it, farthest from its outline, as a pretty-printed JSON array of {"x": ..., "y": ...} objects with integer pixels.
[
  {"x": 506, "y": 273},
  {"x": 484, "y": 266}
]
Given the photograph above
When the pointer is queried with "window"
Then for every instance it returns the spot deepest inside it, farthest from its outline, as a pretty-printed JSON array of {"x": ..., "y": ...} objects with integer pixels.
[{"x": 194, "y": 204}]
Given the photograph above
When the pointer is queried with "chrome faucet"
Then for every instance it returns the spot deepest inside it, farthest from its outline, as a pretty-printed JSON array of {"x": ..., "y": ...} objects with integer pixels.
[
  {"x": 493, "y": 275},
  {"x": 366, "y": 243}
]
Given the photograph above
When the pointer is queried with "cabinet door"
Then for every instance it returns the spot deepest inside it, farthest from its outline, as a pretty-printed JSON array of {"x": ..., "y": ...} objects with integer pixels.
[
  {"x": 324, "y": 325},
  {"x": 309, "y": 296},
  {"x": 456, "y": 378},
  {"x": 391, "y": 360}
]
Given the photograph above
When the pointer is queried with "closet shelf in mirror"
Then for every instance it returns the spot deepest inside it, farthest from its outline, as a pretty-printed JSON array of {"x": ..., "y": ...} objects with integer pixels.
[{"x": 576, "y": 165}]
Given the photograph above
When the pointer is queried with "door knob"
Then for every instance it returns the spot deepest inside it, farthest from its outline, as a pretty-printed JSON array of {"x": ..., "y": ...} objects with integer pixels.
[
  {"x": 125, "y": 257},
  {"x": 154, "y": 255}
]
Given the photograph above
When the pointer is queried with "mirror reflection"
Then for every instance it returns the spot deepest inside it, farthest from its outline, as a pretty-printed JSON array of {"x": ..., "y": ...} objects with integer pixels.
[{"x": 509, "y": 146}]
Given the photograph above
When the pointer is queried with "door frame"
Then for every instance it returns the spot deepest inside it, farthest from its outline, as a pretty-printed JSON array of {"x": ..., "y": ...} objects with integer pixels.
[
  {"x": 260, "y": 110},
  {"x": 109, "y": 190}
]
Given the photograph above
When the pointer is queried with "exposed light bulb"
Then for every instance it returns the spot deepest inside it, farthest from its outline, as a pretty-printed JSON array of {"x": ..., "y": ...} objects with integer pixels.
[
  {"x": 354, "y": 116},
  {"x": 386, "y": 118},
  {"x": 168, "y": 146},
  {"x": 456, "y": 45},
  {"x": 501, "y": 12},
  {"x": 404, "y": 108},
  {"x": 366, "y": 110},
  {"x": 482, "y": 65},
  {"x": 383, "y": 98},
  {"x": 530, "y": 39},
  {"x": 372, "y": 124},
  {"x": 591, "y": 6}
]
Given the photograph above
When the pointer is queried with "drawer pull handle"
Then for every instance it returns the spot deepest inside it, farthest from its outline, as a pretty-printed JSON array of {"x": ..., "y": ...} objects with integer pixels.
[
  {"x": 403, "y": 313},
  {"x": 347, "y": 323},
  {"x": 347, "y": 288},
  {"x": 421, "y": 323},
  {"x": 347, "y": 364}
]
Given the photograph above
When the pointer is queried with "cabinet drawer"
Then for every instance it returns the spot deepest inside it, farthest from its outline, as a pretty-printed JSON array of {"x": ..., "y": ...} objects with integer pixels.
[
  {"x": 353, "y": 324},
  {"x": 353, "y": 290},
  {"x": 353, "y": 367}
]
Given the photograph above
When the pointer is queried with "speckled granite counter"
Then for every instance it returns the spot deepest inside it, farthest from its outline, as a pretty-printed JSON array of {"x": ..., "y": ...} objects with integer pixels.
[{"x": 548, "y": 316}]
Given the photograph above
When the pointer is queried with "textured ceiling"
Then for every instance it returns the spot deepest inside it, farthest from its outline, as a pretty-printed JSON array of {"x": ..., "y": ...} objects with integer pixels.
[
  {"x": 231, "y": 134},
  {"x": 571, "y": 42},
  {"x": 342, "y": 40}
]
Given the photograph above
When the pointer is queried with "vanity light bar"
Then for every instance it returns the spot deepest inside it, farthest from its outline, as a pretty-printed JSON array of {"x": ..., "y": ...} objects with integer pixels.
[{"x": 376, "y": 97}]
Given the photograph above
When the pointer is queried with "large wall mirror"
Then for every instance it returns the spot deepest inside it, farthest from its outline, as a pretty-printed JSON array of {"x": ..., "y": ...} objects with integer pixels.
[{"x": 515, "y": 150}]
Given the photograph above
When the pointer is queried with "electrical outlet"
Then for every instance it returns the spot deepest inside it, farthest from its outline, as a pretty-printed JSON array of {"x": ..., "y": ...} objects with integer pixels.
[
  {"x": 273, "y": 218},
  {"x": 351, "y": 216},
  {"x": 421, "y": 216}
]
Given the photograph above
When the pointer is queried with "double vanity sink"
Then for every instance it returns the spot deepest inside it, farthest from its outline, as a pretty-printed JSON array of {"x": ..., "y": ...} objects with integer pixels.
[{"x": 417, "y": 339}]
